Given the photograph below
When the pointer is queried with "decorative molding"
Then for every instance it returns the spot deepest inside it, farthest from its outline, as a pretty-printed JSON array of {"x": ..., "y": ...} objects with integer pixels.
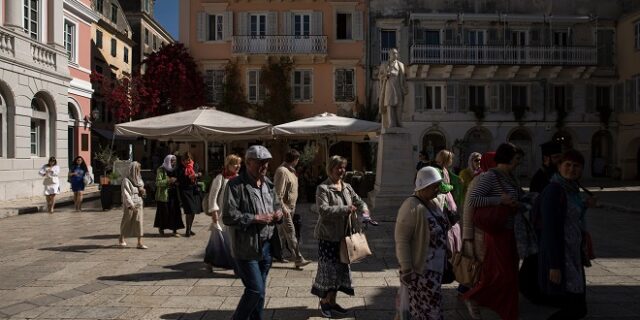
[
  {"x": 81, "y": 10},
  {"x": 81, "y": 88}
]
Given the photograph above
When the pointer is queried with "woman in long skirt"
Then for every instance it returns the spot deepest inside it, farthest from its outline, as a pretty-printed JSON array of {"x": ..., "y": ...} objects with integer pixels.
[
  {"x": 168, "y": 214},
  {"x": 190, "y": 193},
  {"x": 218, "y": 253},
  {"x": 132, "y": 193}
]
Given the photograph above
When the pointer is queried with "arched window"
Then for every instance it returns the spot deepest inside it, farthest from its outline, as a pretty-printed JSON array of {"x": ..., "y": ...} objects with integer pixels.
[
  {"x": 38, "y": 128},
  {"x": 521, "y": 138},
  {"x": 601, "y": 153},
  {"x": 432, "y": 143}
]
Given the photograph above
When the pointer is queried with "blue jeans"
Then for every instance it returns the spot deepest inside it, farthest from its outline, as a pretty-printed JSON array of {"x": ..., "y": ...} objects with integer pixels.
[{"x": 254, "y": 277}]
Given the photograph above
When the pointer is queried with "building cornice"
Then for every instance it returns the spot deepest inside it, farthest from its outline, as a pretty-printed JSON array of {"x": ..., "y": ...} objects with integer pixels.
[
  {"x": 502, "y": 17},
  {"x": 151, "y": 21},
  {"x": 76, "y": 7},
  {"x": 81, "y": 88}
]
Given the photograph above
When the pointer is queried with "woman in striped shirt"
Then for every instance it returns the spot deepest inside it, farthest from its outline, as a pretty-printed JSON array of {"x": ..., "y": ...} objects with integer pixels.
[{"x": 495, "y": 199}]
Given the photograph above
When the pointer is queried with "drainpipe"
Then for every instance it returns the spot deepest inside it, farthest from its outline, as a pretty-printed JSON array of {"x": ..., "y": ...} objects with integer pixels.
[{"x": 367, "y": 56}]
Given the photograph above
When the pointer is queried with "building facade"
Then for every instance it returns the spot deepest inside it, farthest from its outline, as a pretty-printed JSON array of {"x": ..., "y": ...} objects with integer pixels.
[
  {"x": 42, "y": 93},
  {"x": 627, "y": 142},
  {"x": 324, "y": 39},
  {"x": 77, "y": 26},
  {"x": 112, "y": 56},
  {"x": 148, "y": 34},
  {"x": 485, "y": 72}
]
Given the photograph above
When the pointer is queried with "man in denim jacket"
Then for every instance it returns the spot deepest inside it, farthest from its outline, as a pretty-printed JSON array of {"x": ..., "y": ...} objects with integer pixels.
[{"x": 251, "y": 210}]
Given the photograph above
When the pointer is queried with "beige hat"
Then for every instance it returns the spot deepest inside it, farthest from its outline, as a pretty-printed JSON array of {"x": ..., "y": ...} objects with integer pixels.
[{"x": 426, "y": 177}]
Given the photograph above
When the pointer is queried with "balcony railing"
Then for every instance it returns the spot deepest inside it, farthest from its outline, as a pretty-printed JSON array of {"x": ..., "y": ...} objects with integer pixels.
[
  {"x": 43, "y": 55},
  {"x": 280, "y": 44},
  {"x": 539, "y": 55},
  {"x": 7, "y": 43}
]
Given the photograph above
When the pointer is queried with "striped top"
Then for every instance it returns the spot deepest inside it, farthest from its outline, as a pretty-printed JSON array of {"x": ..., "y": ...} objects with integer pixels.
[{"x": 490, "y": 187}]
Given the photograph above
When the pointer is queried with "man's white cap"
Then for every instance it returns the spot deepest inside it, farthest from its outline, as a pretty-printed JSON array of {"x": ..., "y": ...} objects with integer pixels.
[
  {"x": 257, "y": 152},
  {"x": 426, "y": 177}
]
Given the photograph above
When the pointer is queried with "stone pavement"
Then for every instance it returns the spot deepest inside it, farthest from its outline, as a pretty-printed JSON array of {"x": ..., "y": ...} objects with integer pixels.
[{"x": 66, "y": 266}]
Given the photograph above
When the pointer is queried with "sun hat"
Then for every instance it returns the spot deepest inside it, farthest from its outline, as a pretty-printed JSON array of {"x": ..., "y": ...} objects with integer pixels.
[
  {"x": 258, "y": 152},
  {"x": 426, "y": 177}
]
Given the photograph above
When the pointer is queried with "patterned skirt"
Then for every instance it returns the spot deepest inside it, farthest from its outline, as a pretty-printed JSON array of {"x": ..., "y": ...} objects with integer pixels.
[
  {"x": 332, "y": 275},
  {"x": 425, "y": 297}
]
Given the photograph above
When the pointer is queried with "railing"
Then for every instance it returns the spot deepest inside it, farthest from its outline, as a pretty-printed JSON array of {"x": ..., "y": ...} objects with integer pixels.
[
  {"x": 7, "y": 43},
  {"x": 384, "y": 54},
  {"x": 43, "y": 55},
  {"x": 540, "y": 55},
  {"x": 280, "y": 44}
]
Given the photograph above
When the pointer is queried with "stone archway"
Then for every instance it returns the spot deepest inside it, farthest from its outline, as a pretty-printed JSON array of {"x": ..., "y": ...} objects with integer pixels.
[
  {"x": 432, "y": 142},
  {"x": 601, "y": 153},
  {"x": 522, "y": 138},
  {"x": 72, "y": 130},
  {"x": 7, "y": 121},
  {"x": 477, "y": 139},
  {"x": 42, "y": 129}
]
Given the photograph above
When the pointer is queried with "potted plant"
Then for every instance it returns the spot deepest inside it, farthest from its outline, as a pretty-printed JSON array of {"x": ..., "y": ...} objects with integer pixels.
[{"x": 105, "y": 157}]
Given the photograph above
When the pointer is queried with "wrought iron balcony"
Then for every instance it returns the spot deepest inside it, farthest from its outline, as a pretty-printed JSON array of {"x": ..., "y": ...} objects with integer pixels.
[
  {"x": 516, "y": 55},
  {"x": 280, "y": 44}
]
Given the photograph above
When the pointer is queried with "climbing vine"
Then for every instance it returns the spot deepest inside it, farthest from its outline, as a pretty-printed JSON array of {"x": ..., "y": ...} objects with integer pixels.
[
  {"x": 275, "y": 78},
  {"x": 233, "y": 98},
  {"x": 478, "y": 111}
]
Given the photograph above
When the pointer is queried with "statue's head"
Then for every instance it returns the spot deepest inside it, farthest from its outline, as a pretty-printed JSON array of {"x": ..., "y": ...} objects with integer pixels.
[{"x": 393, "y": 54}]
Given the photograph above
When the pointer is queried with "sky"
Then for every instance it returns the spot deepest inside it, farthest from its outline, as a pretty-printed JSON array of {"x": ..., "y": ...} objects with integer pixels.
[{"x": 166, "y": 13}]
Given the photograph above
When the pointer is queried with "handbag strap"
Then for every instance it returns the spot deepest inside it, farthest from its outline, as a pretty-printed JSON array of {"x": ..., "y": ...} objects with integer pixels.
[{"x": 348, "y": 226}]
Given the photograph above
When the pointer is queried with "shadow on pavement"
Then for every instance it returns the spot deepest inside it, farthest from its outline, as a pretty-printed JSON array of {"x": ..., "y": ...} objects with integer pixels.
[
  {"x": 296, "y": 313},
  {"x": 80, "y": 248},
  {"x": 115, "y": 236},
  {"x": 185, "y": 270}
]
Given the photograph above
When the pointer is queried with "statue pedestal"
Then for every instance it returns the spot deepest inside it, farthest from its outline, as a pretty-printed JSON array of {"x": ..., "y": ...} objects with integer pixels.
[{"x": 395, "y": 172}]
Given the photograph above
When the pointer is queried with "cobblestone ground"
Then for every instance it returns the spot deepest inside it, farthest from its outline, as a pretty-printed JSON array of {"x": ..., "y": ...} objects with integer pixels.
[{"x": 66, "y": 266}]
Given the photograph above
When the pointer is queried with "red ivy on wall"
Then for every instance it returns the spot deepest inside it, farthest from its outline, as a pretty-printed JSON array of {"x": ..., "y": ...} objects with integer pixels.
[{"x": 170, "y": 83}]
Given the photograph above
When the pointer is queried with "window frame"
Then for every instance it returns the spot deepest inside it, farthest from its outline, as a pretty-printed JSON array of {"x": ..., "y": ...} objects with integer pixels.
[
  {"x": 302, "y": 98},
  {"x": 346, "y": 96},
  {"x": 114, "y": 13},
  {"x": 71, "y": 48},
  {"x": 473, "y": 89},
  {"x": 125, "y": 54},
  {"x": 214, "y": 89},
  {"x": 146, "y": 36},
  {"x": 99, "y": 36},
  {"x": 598, "y": 97},
  {"x": 100, "y": 6},
  {"x": 348, "y": 27},
  {"x": 302, "y": 33},
  {"x": 28, "y": 22},
  {"x": 259, "y": 91},
  {"x": 218, "y": 27},
  {"x": 514, "y": 101},
  {"x": 114, "y": 47}
]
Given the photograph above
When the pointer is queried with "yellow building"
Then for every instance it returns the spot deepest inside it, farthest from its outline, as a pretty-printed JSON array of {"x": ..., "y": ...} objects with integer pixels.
[{"x": 628, "y": 52}]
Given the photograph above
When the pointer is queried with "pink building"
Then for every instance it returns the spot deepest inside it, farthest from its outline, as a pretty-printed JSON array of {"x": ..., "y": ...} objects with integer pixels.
[
  {"x": 78, "y": 20},
  {"x": 324, "y": 39}
]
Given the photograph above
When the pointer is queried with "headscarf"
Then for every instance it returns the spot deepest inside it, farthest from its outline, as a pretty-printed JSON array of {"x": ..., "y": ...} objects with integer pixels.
[
  {"x": 487, "y": 162},
  {"x": 167, "y": 163},
  {"x": 472, "y": 156},
  {"x": 188, "y": 170},
  {"x": 134, "y": 174}
]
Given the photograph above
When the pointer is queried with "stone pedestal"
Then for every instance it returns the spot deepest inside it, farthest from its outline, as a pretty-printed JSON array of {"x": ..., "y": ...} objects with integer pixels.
[{"x": 395, "y": 173}]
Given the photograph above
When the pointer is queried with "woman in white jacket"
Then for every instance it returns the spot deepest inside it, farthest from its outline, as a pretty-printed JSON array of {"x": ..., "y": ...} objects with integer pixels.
[
  {"x": 50, "y": 171},
  {"x": 218, "y": 252},
  {"x": 132, "y": 193}
]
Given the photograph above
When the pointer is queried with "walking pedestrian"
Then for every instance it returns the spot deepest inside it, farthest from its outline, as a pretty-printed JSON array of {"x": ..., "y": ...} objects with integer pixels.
[
  {"x": 562, "y": 255},
  {"x": 336, "y": 202},
  {"x": 250, "y": 210},
  {"x": 421, "y": 248},
  {"x": 189, "y": 190},
  {"x": 527, "y": 276},
  {"x": 168, "y": 214},
  {"x": 51, "y": 182},
  {"x": 218, "y": 252},
  {"x": 498, "y": 190},
  {"x": 77, "y": 174},
  {"x": 286, "y": 187},
  {"x": 133, "y": 192}
]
